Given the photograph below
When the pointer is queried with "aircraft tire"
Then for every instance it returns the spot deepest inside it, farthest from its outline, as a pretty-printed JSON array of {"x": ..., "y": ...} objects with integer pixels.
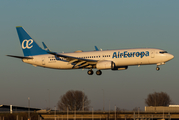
[
  {"x": 90, "y": 72},
  {"x": 98, "y": 72},
  {"x": 157, "y": 68}
]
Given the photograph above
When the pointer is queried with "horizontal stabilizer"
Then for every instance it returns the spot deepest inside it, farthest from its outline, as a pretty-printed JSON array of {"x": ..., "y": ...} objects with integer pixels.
[{"x": 20, "y": 57}]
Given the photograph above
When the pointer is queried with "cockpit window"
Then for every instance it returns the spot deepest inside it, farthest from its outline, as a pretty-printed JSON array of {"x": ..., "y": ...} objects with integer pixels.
[{"x": 162, "y": 52}]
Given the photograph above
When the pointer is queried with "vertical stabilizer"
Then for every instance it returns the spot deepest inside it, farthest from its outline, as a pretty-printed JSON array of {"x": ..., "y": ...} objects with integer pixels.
[{"x": 28, "y": 45}]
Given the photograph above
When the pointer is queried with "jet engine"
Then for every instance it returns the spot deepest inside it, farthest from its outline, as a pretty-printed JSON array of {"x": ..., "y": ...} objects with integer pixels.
[{"x": 102, "y": 65}]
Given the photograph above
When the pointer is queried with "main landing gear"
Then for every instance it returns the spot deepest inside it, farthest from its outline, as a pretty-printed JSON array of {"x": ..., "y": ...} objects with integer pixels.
[
  {"x": 98, "y": 72},
  {"x": 90, "y": 72}
]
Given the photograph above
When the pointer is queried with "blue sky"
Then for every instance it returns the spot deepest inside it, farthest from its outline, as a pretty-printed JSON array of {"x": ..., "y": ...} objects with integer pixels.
[{"x": 79, "y": 25}]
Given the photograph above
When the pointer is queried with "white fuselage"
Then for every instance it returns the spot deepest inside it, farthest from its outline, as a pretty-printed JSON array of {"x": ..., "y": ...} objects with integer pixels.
[{"x": 121, "y": 57}]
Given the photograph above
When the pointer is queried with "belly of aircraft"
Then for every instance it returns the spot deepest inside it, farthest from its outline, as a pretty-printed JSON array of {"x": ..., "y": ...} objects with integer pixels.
[{"x": 59, "y": 65}]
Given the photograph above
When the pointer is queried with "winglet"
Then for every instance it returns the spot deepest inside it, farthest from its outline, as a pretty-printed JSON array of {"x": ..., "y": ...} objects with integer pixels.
[
  {"x": 18, "y": 26},
  {"x": 45, "y": 47},
  {"x": 96, "y": 48}
]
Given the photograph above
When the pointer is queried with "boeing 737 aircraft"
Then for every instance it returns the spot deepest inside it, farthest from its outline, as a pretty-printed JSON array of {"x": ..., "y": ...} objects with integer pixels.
[{"x": 101, "y": 60}]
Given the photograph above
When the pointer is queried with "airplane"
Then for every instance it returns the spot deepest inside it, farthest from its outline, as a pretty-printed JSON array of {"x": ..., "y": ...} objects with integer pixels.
[{"x": 99, "y": 59}]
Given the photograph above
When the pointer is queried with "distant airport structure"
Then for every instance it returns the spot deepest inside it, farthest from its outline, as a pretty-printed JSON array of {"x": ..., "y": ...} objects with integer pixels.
[
  {"x": 151, "y": 113},
  {"x": 11, "y": 108},
  {"x": 171, "y": 108}
]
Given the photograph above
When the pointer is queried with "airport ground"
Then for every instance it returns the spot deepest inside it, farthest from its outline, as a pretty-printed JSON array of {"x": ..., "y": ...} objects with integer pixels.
[{"x": 91, "y": 115}]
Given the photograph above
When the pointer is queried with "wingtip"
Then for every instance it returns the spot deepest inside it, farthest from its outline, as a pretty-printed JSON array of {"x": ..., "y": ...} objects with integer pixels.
[{"x": 18, "y": 26}]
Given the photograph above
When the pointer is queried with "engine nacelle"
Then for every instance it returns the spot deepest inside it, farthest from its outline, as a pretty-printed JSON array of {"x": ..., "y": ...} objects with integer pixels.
[
  {"x": 120, "y": 68},
  {"x": 102, "y": 65}
]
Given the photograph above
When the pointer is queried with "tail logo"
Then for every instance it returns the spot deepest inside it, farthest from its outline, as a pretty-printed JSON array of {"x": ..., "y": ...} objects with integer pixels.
[{"x": 27, "y": 44}]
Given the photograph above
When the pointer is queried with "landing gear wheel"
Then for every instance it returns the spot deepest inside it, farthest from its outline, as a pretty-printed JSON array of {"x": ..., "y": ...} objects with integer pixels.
[
  {"x": 98, "y": 72},
  {"x": 157, "y": 68},
  {"x": 90, "y": 72}
]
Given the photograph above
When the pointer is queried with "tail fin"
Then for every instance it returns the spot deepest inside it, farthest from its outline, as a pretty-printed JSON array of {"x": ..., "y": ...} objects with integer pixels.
[{"x": 29, "y": 46}]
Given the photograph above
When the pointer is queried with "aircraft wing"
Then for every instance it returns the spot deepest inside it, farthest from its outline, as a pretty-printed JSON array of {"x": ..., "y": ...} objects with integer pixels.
[{"x": 77, "y": 62}]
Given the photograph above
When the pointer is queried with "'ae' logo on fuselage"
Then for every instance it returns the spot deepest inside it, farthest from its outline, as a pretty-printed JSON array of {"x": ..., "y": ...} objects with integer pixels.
[{"x": 27, "y": 44}]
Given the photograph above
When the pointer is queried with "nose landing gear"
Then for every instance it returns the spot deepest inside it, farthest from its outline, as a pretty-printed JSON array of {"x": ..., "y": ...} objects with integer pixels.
[{"x": 157, "y": 68}]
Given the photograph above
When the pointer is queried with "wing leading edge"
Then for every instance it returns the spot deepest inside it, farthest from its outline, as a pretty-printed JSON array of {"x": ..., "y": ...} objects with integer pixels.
[{"x": 77, "y": 62}]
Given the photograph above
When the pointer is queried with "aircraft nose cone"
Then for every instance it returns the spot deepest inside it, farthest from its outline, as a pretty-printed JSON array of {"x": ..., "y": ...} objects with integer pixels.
[{"x": 170, "y": 56}]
